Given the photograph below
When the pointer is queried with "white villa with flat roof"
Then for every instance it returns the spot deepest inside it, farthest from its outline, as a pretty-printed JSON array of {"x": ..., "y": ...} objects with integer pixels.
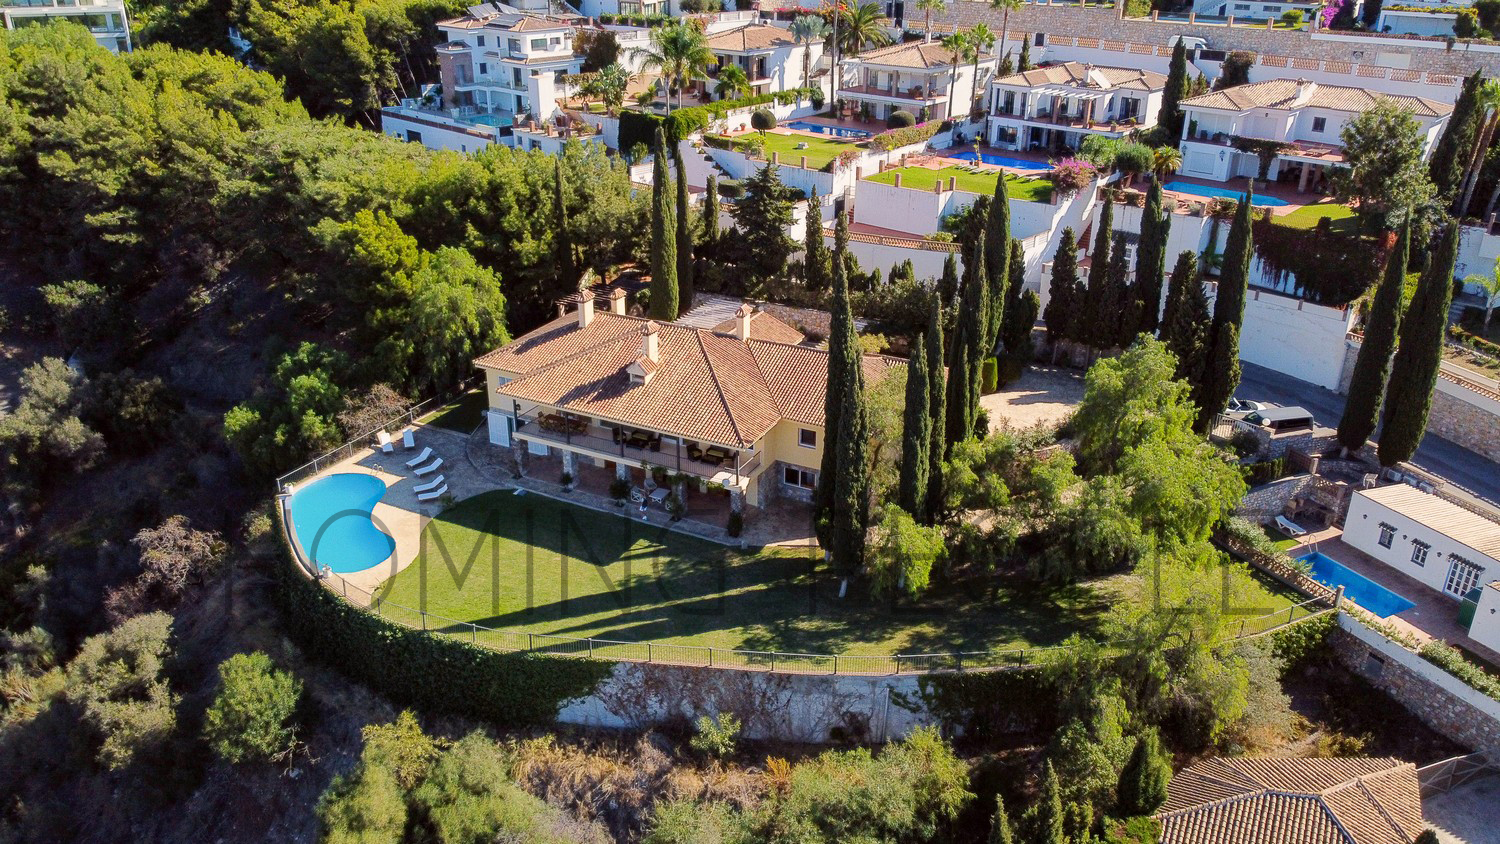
[
  {"x": 912, "y": 76},
  {"x": 1431, "y": 539},
  {"x": 1056, "y": 106},
  {"x": 1305, "y": 116}
]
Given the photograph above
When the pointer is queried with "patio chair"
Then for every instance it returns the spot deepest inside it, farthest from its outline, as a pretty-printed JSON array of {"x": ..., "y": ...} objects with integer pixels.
[
  {"x": 437, "y": 493},
  {"x": 420, "y": 458},
  {"x": 1290, "y": 527},
  {"x": 637, "y": 495},
  {"x": 408, "y": 439},
  {"x": 383, "y": 439},
  {"x": 430, "y": 485},
  {"x": 695, "y": 451},
  {"x": 437, "y": 463}
]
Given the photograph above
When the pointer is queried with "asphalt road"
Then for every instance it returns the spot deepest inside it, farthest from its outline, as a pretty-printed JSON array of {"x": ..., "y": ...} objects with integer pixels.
[{"x": 1437, "y": 455}]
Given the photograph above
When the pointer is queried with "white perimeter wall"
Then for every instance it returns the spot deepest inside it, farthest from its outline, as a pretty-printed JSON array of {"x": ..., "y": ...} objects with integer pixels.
[
  {"x": 1486, "y": 627},
  {"x": 1362, "y": 530},
  {"x": 1295, "y": 337},
  {"x": 432, "y": 137}
]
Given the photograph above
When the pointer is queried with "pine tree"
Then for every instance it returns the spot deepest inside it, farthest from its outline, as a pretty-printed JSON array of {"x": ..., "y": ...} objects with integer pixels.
[
  {"x": 562, "y": 238},
  {"x": 710, "y": 238},
  {"x": 967, "y": 355},
  {"x": 684, "y": 236},
  {"x": 937, "y": 391},
  {"x": 1151, "y": 258},
  {"x": 1000, "y": 831},
  {"x": 1170, "y": 117},
  {"x": 763, "y": 217},
  {"x": 1046, "y": 817},
  {"x": 1450, "y": 154},
  {"x": 1367, "y": 382},
  {"x": 997, "y": 242},
  {"x": 1095, "y": 331},
  {"x": 851, "y": 498},
  {"x": 1408, "y": 397},
  {"x": 1143, "y": 782},
  {"x": 948, "y": 282},
  {"x": 916, "y": 436},
  {"x": 1223, "y": 372},
  {"x": 815, "y": 267},
  {"x": 1061, "y": 315},
  {"x": 663, "y": 238}
]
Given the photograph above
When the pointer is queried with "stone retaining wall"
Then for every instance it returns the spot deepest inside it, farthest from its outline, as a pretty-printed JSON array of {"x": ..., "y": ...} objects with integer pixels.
[
  {"x": 1440, "y": 700},
  {"x": 1465, "y": 418},
  {"x": 1267, "y": 501}
]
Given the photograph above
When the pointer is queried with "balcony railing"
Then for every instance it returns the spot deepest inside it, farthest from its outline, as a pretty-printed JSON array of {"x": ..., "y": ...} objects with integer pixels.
[
  {"x": 635, "y": 446},
  {"x": 908, "y": 92}
]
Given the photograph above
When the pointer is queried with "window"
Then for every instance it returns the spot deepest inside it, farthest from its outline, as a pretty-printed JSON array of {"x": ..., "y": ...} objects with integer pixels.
[
  {"x": 1419, "y": 552},
  {"x": 1462, "y": 576},
  {"x": 538, "y": 43},
  {"x": 1320, "y": 124},
  {"x": 802, "y": 478},
  {"x": 479, "y": 41},
  {"x": 807, "y": 438},
  {"x": 1387, "y": 535},
  {"x": 483, "y": 68},
  {"x": 1242, "y": 7}
]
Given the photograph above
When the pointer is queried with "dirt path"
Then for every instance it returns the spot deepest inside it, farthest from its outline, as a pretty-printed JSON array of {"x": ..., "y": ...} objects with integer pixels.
[{"x": 1044, "y": 395}]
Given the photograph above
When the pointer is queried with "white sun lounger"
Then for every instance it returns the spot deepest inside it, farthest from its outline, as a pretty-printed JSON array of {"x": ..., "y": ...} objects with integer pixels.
[
  {"x": 437, "y": 493},
  {"x": 1289, "y": 526},
  {"x": 436, "y": 464},
  {"x": 383, "y": 439},
  {"x": 408, "y": 439},
  {"x": 430, "y": 485},
  {"x": 420, "y": 458}
]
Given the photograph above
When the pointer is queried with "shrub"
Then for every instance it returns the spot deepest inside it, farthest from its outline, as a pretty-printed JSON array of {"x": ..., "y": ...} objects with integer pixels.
[
  {"x": 900, "y": 119},
  {"x": 730, "y": 189},
  {"x": 762, "y": 120},
  {"x": 619, "y": 489},
  {"x": 990, "y": 375},
  {"x": 716, "y": 737},
  {"x": 1265, "y": 471},
  {"x": 251, "y": 718},
  {"x": 117, "y": 680},
  {"x": 1070, "y": 176},
  {"x": 905, "y": 136},
  {"x": 1292, "y": 18},
  {"x": 736, "y": 524},
  {"x": 173, "y": 556},
  {"x": 1452, "y": 661}
]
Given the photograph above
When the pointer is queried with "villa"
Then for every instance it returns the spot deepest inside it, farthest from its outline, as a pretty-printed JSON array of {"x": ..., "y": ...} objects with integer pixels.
[
  {"x": 106, "y": 20},
  {"x": 488, "y": 62},
  {"x": 1055, "y": 106},
  {"x": 1254, "y": 11},
  {"x": 769, "y": 55},
  {"x": 1304, "y": 118},
  {"x": 915, "y": 77},
  {"x": 736, "y": 409}
]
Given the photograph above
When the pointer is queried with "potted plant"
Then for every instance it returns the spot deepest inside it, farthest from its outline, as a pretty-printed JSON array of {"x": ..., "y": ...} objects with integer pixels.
[{"x": 619, "y": 490}]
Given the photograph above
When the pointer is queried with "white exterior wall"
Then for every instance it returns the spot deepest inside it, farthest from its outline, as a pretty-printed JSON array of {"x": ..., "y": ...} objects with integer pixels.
[
  {"x": 106, "y": 20},
  {"x": 1486, "y": 627},
  {"x": 1477, "y": 252},
  {"x": 458, "y": 137},
  {"x": 1249, "y": 9},
  {"x": 1362, "y": 531},
  {"x": 1415, "y": 23},
  {"x": 1295, "y": 337}
]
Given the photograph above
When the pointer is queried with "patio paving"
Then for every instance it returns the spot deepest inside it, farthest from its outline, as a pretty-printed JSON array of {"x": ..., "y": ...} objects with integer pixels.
[{"x": 1469, "y": 814}]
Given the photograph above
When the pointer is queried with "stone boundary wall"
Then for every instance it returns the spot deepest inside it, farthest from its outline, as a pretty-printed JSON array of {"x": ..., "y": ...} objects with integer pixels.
[
  {"x": 1266, "y": 502},
  {"x": 1465, "y": 418},
  {"x": 1440, "y": 700},
  {"x": 1103, "y": 27}
]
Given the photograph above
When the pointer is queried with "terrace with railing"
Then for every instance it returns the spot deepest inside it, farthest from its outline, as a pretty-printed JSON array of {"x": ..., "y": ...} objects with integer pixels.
[{"x": 633, "y": 446}]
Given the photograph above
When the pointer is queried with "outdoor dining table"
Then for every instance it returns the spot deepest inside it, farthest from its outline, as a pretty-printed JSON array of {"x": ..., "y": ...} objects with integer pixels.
[{"x": 715, "y": 455}]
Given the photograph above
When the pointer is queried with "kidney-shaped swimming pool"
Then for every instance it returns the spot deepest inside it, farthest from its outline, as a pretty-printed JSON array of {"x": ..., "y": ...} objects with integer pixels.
[{"x": 331, "y": 518}]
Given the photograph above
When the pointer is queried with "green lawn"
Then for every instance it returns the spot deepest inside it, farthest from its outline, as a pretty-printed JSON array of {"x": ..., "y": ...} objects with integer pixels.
[
  {"x": 922, "y": 178},
  {"x": 819, "y": 151},
  {"x": 462, "y": 415},
  {"x": 1279, "y": 539},
  {"x": 532, "y": 563},
  {"x": 1307, "y": 217}
]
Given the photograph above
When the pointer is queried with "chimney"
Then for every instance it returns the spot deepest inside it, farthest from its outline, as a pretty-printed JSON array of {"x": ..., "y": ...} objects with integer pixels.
[
  {"x": 742, "y": 322},
  {"x": 1305, "y": 89},
  {"x": 617, "y": 301},
  {"x": 585, "y": 307},
  {"x": 650, "y": 337}
]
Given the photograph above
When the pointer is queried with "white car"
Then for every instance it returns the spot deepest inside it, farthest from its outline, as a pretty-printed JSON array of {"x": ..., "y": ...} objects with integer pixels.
[{"x": 1240, "y": 407}]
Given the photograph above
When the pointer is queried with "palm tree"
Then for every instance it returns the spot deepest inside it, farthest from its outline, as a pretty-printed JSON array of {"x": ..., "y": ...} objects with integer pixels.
[
  {"x": 680, "y": 52},
  {"x": 732, "y": 82},
  {"x": 930, "y": 6},
  {"x": 958, "y": 44},
  {"x": 861, "y": 27},
  {"x": 1165, "y": 161},
  {"x": 1487, "y": 103},
  {"x": 1490, "y": 284},
  {"x": 1005, "y": 5},
  {"x": 807, "y": 29},
  {"x": 982, "y": 39},
  {"x": 609, "y": 86}
]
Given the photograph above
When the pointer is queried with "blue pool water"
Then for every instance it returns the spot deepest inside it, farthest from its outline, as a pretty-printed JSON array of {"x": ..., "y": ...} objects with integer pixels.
[
  {"x": 1001, "y": 160},
  {"x": 1205, "y": 190},
  {"x": 821, "y": 129},
  {"x": 1357, "y": 588},
  {"x": 350, "y": 542}
]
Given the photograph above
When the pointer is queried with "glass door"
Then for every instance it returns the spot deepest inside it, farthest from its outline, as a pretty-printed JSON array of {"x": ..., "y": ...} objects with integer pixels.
[{"x": 1462, "y": 577}]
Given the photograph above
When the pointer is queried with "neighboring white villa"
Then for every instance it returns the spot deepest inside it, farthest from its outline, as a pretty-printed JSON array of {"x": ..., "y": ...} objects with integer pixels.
[
  {"x": 1307, "y": 116},
  {"x": 1437, "y": 21},
  {"x": 105, "y": 19},
  {"x": 1057, "y": 105},
  {"x": 769, "y": 55},
  {"x": 1242, "y": 10},
  {"x": 913, "y": 76},
  {"x": 1424, "y": 537}
]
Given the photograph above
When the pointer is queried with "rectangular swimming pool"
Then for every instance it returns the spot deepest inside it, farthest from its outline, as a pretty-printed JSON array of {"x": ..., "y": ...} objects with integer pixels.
[
  {"x": 823, "y": 129},
  {"x": 1357, "y": 588},
  {"x": 1002, "y": 160},
  {"x": 1217, "y": 193}
]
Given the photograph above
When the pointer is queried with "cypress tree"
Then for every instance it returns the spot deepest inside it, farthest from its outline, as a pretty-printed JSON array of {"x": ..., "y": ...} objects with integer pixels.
[
  {"x": 1061, "y": 315},
  {"x": 1000, "y": 831},
  {"x": 841, "y": 243},
  {"x": 1185, "y": 272},
  {"x": 840, "y": 335},
  {"x": 1449, "y": 156},
  {"x": 1095, "y": 331},
  {"x": 1123, "y": 313},
  {"x": 1408, "y": 396},
  {"x": 1047, "y": 815},
  {"x": 1143, "y": 782},
  {"x": 1151, "y": 258},
  {"x": 1223, "y": 372},
  {"x": 562, "y": 238},
  {"x": 967, "y": 354},
  {"x": 815, "y": 267},
  {"x": 684, "y": 237},
  {"x": 663, "y": 238},
  {"x": 937, "y": 392},
  {"x": 1170, "y": 116},
  {"x": 997, "y": 242},
  {"x": 1015, "y": 335},
  {"x": 710, "y": 216},
  {"x": 850, "y": 505},
  {"x": 948, "y": 282},
  {"x": 1367, "y": 382},
  {"x": 1186, "y": 336},
  {"x": 916, "y": 436},
  {"x": 1024, "y": 63}
]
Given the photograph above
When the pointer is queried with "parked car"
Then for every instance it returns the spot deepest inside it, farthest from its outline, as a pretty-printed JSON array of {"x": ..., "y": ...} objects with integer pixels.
[
  {"x": 1283, "y": 419},
  {"x": 1239, "y": 407}
]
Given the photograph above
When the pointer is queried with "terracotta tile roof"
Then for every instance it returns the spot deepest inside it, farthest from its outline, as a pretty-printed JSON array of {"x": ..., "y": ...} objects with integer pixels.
[
  {"x": 1293, "y": 801},
  {"x": 1081, "y": 75},
  {"x": 1441, "y": 515},
  {"x": 756, "y": 36},
  {"x": 706, "y": 385},
  {"x": 1284, "y": 94},
  {"x": 531, "y": 23},
  {"x": 912, "y": 54},
  {"x": 763, "y": 326}
]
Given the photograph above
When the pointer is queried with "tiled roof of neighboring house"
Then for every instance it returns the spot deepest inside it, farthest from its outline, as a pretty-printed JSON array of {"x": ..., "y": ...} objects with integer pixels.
[
  {"x": 1080, "y": 75},
  {"x": 1293, "y": 801},
  {"x": 763, "y": 326},
  {"x": 911, "y": 54},
  {"x": 756, "y": 36},
  {"x": 707, "y": 385},
  {"x": 1441, "y": 515},
  {"x": 1299, "y": 93},
  {"x": 531, "y": 23}
]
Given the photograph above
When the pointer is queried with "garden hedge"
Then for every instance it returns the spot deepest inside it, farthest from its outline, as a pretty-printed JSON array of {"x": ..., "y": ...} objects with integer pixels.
[{"x": 427, "y": 671}]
